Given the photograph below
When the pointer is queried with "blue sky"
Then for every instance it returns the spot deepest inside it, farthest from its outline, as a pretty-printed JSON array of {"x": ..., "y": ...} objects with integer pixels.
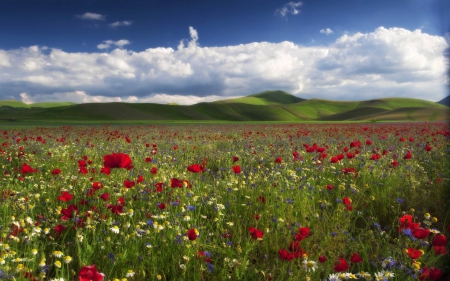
[{"x": 203, "y": 50}]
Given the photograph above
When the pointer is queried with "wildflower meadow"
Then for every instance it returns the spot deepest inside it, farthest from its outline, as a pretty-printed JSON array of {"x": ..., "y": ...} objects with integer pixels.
[{"x": 225, "y": 202}]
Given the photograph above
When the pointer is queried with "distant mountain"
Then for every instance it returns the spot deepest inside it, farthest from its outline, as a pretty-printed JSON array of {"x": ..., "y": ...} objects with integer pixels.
[
  {"x": 265, "y": 106},
  {"x": 445, "y": 101},
  {"x": 265, "y": 98}
]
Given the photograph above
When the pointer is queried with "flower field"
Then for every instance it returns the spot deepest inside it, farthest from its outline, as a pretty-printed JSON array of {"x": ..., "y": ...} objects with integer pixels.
[{"x": 225, "y": 202}]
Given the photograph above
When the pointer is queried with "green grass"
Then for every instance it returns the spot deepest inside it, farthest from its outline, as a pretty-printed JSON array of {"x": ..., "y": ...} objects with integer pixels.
[{"x": 266, "y": 106}]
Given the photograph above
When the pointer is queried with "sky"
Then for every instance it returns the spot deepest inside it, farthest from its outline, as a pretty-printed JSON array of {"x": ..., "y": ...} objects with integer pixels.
[{"x": 191, "y": 51}]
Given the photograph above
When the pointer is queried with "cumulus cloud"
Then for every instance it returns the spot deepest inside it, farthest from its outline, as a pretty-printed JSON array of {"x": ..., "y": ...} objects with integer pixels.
[
  {"x": 288, "y": 8},
  {"x": 193, "y": 42},
  {"x": 92, "y": 16},
  {"x": 326, "y": 31},
  {"x": 387, "y": 62},
  {"x": 109, "y": 43},
  {"x": 120, "y": 23}
]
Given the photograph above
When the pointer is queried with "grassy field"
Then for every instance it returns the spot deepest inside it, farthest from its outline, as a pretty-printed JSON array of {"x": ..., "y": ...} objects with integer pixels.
[
  {"x": 317, "y": 201},
  {"x": 266, "y": 106}
]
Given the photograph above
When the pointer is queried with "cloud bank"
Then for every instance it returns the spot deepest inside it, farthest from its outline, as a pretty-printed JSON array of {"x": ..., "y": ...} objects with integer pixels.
[{"x": 388, "y": 62}]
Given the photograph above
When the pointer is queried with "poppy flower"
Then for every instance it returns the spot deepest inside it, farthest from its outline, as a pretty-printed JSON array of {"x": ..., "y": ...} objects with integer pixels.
[
  {"x": 161, "y": 206},
  {"x": 192, "y": 234},
  {"x": 341, "y": 265},
  {"x": 256, "y": 233},
  {"x": 413, "y": 253},
  {"x": 278, "y": 160},
  {"x": 148, "y": 159},
  {"x": 195, "y": 168},
  {"x": 60, "y": 228},
  {"x": 428, "y": 147},
  {"x": 105, "y": 171},
  {"x": 176, "y": 183},
  {"x": 90, "y": 273},
  {"x": 440, "y": 250},
  {"x": 236, "y": 169},
  {"x": 261, "y": 199},
  {"x": 154, "y": 171},
  {"x": 117, "y": 160},
  {"x": 105, "y": 196},
  {"x": 330, "y": 187},
  {"x": 356, "y": 258},
  {"x": 420, "y": 233},
  {"x": 407, "y": 222},
  {"x": 334, "y": 159},
  {"x": 235, "y": 159},
  {"x": 439, "y": 240},
  {"x": 69, "y": 212},
  {"x": 65, "y": 196},
  {"x": 303, "y": 232},
  {"x": 26, "y": 169},
  {"x": 56, "y": 172},
  {"x": 128, "y": 184},
  {"x": 322, "y": 259},
  {"x": 285, "y": 255},
  {"x": 408, "y": 155}
]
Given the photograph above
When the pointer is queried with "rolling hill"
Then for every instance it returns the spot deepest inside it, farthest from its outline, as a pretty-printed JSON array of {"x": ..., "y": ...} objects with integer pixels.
[{"x": 265, "y": 106}]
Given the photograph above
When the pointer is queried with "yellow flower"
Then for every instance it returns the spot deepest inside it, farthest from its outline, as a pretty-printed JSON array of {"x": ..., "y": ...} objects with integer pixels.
[
  {"x": 67, "y": 259},
  {"x": 57, "y": 264}
]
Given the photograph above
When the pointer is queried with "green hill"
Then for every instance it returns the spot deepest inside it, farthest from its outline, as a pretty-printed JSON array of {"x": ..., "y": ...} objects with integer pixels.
[
  {"x": 265, "y": 98},
  {"x": 266, "y": 106}
]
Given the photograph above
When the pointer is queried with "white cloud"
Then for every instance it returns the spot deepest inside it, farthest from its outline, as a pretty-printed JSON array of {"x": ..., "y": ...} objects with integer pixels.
[
  {"x": 82, "y": 97},
  {"x": 92, "y": 16},
  {"x": 194, "y": 38},
  {"x": 121, "y": 23},
  {"x": 384, "y": 63},
  {"x": 288, "y": 8},
  {"x": 326, "y": 31},
  {"x": 109, "y": 43}
]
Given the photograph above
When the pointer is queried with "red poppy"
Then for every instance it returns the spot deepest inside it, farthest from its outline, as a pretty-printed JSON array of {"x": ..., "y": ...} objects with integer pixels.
[
  {"x": 303, "y": 232},
  {"x": 368, "y": 142},
  {"x": 420, "y": 233},
  {"x": 285, "y": 255},
  {"x": 192, "y": 234},
  {"x": 341, "y": 265},
  {"x": 105, "y": 196},
  {"x": 117, "y": 160},
  {"x": 154, "y": 171},
  {"x": 236, "y": 169},
  {"x": 261, "y": 199},
  {"x": 235, "y": 159},
  {"x": 195, "y": 168},
  {"x": 393, "y": 164},
  {"x": 256, "y": 233},
  {"x": 56, "y": 172},
  {"x": 427, "y": 147},
  {"x": 278, "y": 160},
  {"x": 65, "y": 196},
  {"x": 90, "y": 273},
  {"x": 148, "y": 159},
  {"x": 161, "y": 206},
  {"x": 334, "y": 159},
  {"x": 408, "y": 155},
  {"x": 105, "y": 171},
  {"x": 60, "y": 228},
  {"x": 439, "y": 240},
  {"x": 128, "y": 184},
  {"x": 407, "y": 222},
  {"x": 330, "y": 187},
  {"x": 322, "y": 259},
  {"x": 413, "y": 253},
  {"x": 356, "y": 258},
  {"x": 440, "y": 250},
  {"x": 26, "y": 169},
  {"x": 176, "y": 183},
  {"x": 69, "y": 212},
  {"x": 97, "y": 185}
]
